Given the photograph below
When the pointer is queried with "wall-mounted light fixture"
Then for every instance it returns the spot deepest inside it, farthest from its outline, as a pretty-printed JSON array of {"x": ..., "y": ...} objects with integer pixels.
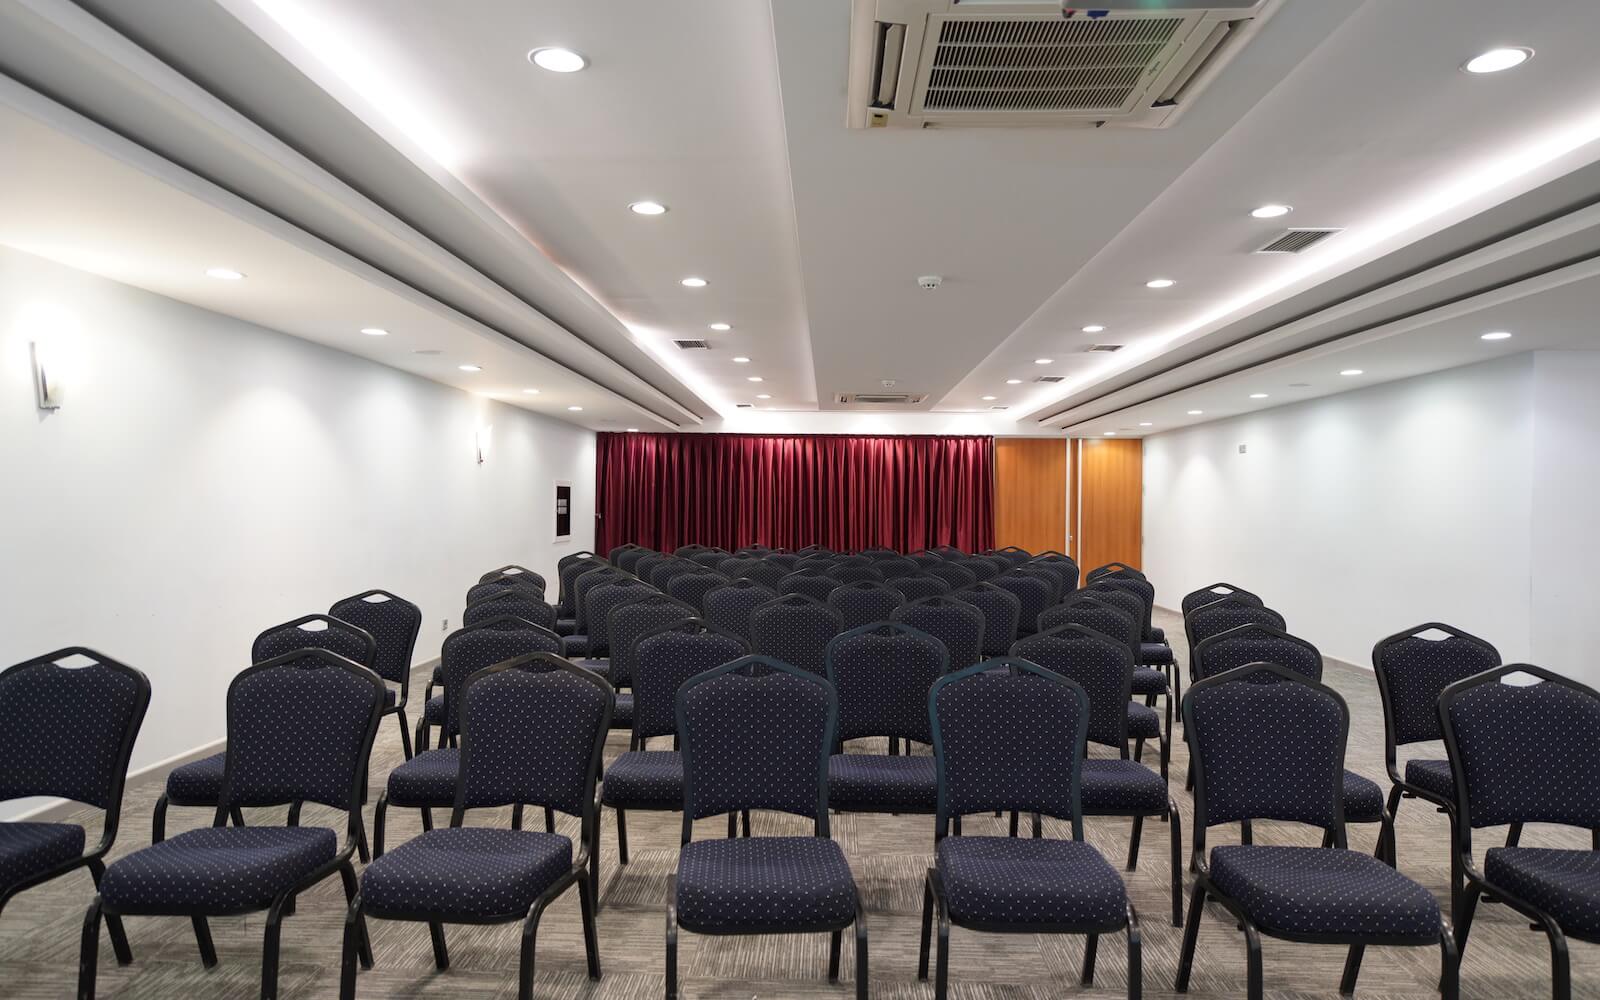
[
  {"x": 48, "y": 385},
  {"x": 481, "y": 441}
]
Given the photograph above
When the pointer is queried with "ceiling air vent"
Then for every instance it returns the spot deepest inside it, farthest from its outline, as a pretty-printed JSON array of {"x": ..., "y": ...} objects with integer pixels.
[
  {"x": 1105, "y": 348},
  {"x": 944, "y": 63},
  {"x": 1051, "y": 379},
  {"x": 744, "y": 406},
  {"x": 1298, "y": 240},
  {"x": 882, "y": 398},
  {"x": 999, "y": 407},
  {"x": 692, "y": 345}
]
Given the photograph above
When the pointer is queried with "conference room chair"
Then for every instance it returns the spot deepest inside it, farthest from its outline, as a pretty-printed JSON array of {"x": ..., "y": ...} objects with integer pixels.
[
  {"x": 642, "y": 778},
  {"x": 981, "y": 569},
  {"x": 691, "y": 588},
  {"x": 864, "y": 602},
  {"x": 628, "y": 559},
  {"x": 1254, "y": 642},
  {"x": 882, "y": 673},
  {"x": 670, "y": 570},
  {"x": 646, "y": 566},
  {"x": 1146, "y": 592},
  {"x": 1121, "y": 627},
  {"x": 688, "y": 549},
  {"x": 496, "y": 584},
  {"x": 578, "y": 642},
  {"x": 568, "y": 568},
  {"x": 856, "y": 574},
  {"x": 876, "y": 552},
  {"x": 68, "y": 721},
  {"x": 915, "y": 588},
  {"x": 1013, "y": 554},
  {"x": 1009, "y": 735},
  {"x": 520, "y": 603},
  {"x": 728, "y": 608},
  {"x": 1114, "y": 569},
  {"x": 1032, "y": 594},
  {"x": 1155, "y": 673},
  {"x": 1118, "y": 786},
  {"x": 1276, "y": 751},
  {"x": 600, "y": 602},
  {"x": 532, "y": 732},
  {"x": 786, "y": 560},
  {"x": 427, "y": 781},
  {"x": 1050, "y": 578},
  {"x": 1063, "y": 568},
  {"x": 300, "y": 729},
  {"x": 735, "y": 567},
  {"x": 627, "y": 623},
  {"x": 896, "y": 566},
  {"x": 709, "y": 558},
  {"x": 796, "y": 629},
  {"x": 1525, "y": 752},
  {"x": 1219, "y": 616},
  {"x": 199, "y": 783},
  {"x": 952, "y": 572},
  {"x": 948, "y": 552},
  {"x": 1216, "y": 592},
  {"x": 925, "y": 558},
  {"x": 776, "y": 758},
  {"x": 815, "y": 564},
  {"x": 816, "y": 586},
  {"x": 519, "y": 574},
  {"x": 616, "y": 552},
  {"x": 952, "y": 621},
  {"x": 393, "y": 622},
  {"x": 434, "y": 710},
  {"x": 1413, "y": 668},
  {"x": 1001, "y": 612}
]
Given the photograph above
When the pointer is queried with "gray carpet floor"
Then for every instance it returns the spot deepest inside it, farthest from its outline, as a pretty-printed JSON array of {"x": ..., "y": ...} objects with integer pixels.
[{"x": 39, "y": 931}]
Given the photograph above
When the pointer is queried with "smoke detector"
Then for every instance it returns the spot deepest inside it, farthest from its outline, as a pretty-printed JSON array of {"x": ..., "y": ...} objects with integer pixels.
[{"x": 929, "y": 281}]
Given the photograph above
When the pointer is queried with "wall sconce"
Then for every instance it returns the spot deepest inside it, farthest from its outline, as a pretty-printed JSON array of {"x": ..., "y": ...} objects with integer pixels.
[
  {"x": 48, "y": 386},
  {"x": 482, "y": 440}
]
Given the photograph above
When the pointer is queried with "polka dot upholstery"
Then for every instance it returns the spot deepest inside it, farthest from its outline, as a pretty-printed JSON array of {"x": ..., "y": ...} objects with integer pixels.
[
  {"x": 925, "y": 559},
  {"x": 956, "y": 576},
  {"x": 864, "y": 602},
  {"x": 736, "y": 567},
  {"x": 1564, "y": 884},
  {"x": 627, "y": 623},
  {"x": 980, "y": 568},
  {"x": 857, "y": 574},
  {"x": 1256, "y": 643},
  {"x": 531, "y": 736},
  {"x": 662, "y": 662},
  {"x": 1033, "y": 597},
  {"x": 570, "y": 570},
  {"x": 586, "y": 582},
  {"x": 628, "y": 560},
  {"x": 645, "y": 568},
  {"x": 645, "y": 779},
  {"x": 1315, "y": 890},
  {"x": 466, "y": 873},
  {"x": 316, "y": 632},
  {"x": 468, "y": 650},
  {"x": 1432, "y": 776},
  {"x": 511, "y": 602},
  {"x": 764, "y": 883},
  {"x": 768, "y": 574},
  {"x": 816, "y": 586},
  {"x": 29, "y": 849},
  {"x": 859, "y": 782},
  {"x": 63, "y": 729},
  {"x": 197, "y": 783},
  {"x": 896, "y": 567},
  {"x": 1363, "y": 799},
  {"x": 670, "y": 570},
  {"x": 730, "y": 606},
  {"x": 1148, "y": 680},
  {"x": 1214, "y": 619},
  {"x": 1115, "y": 787},
  {"x": 796, "y": 630},
  {"x": 709, "y": 558},
  {"x": 1144, "y": 722},
  {"x": 1102, "y": 667},
  {"x": 1413, "y": 670},
  {"x": 1011, "y": 881},
  {"x": 1000, "y": 611},
  {"x": 479, "y": 591},
  {"x": 216, "y": 869},
  {"x": 604, "y": 599},
  {"x": 617, "y": 551},
  {"x": 882, "y": 674},
  {"x": 1051, "y": 580},
  {"x": 1129, "y": 604},
  {"x": 953, "y": 622},
  {"x": 1216, "y": 592},
  {"x": 393, "y": 623},
  {"x": 517, "y": 574},
  {"x": 1014, "y": 554},
  {"x": 691, "y": 588},
  {"x": 1063, "y": 569},
  {"x": 915, "y": 588},
  {"x": 427, "y": 779},
  {"x": 1111, "y": 622},
  {"x": 1139, "y": 587}
]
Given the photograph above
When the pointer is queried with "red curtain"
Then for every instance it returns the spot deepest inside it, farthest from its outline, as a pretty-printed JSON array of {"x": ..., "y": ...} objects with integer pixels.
[{"x": 789, "y": 491}]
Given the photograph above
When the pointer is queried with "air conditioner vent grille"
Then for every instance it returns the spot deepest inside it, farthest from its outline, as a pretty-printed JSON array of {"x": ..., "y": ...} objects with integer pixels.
[
  {"x": 882, "y": 398},
  {"x": 1298, "y": 240},
  {"x": 1105, "y": 348},
  {"x": 692, "y": 345},
  {"x": 1051, "y": 379}
]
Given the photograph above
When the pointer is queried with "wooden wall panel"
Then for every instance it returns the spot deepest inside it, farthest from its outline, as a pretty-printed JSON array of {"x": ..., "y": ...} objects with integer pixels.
[
  {"x": 1111, "y": 505},
  {"x": 1030, "y": 502}
]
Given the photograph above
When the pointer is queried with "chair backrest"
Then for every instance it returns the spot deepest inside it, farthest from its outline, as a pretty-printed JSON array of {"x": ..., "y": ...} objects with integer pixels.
[
  {"x": 856, "y": 574},
  {"x": 882, "y": 673},
  {"x": 1008, "y": 734},
  {"x": 600, "y": 601},
  {"x": 664, "y": 573},
  {"x": 1049, "y": 578},
  {"x": 1091, "y": 612},
  {"x": 980, "y": 567},
  {"x": 517, "y": 602},
  {"x": 1130, "y": 604},
  {"x": 516, "y": 574},
  {"x": 479, "y": 591},
  {"x": 573, "y": 567},
  {"x": 924, "y": 559},
  {"x": 1065, "y": 569},
  {"x": 1001, "y": 613},
  {"x": 1114, "y": 569},
  {"x": 587, "y": 581},
  {"x": 533, "y": 730},
  {"x": 730, "y": 606},
  {"x": 628, "y": 622},
  {"x": 316, "y": 632},
  {"x": 915, "y": 588},
  {"x": 300, "y": 729},
  {"x": 864, "y": 602},
  {"x": 953, "y": 622},
  {"x": 1256, "y": 643},
  {"x": 666, "y": 657},
  {"x": 1134, "y": 586},
  {"x": 1266, "y": 751},
  {"x": 617, "y": 550},
  {"x": 796, "y": 629},
  {"x": 783, "y": 560},
  {"x": 895, "y": 567},
  {"x": 1414, "y": 667},
  {"x": 1219, "y": 616},
  {"x": 767, "y": 573},
  {"x": 756, "y": 733},
  {"x": 953, "y": 573},
  {"x": 628, "y": 559},
  {"x": 1522, "y": 752},
  {"x": 1216, "y": 592},
  {"x": 691, "y": 588},
  {"x": 816, "y": 586},
  {"x": 68, "y": 720},
  {"x": 688, "y": 550},
  {"x": 1099, "y": 664},
  {"x": 1014, "y": 554},
  {"x": 494, "y": 640},
  {"x": 1032, "y": 594},
  {"x": 737, "y": 566},
  {"x": 709, "y": 558},
  {"x": 393, "y": 622}
]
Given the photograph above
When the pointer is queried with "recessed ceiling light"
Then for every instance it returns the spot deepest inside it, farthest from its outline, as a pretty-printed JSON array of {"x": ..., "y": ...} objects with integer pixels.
[
  {"x": 1160, "y": 283},
  {"x": 1351, "y": 371},
  {"x": 575, "y": 409},
  {"x": 721, "y": 327},
  {"x": 633, "y": 430},
  {"x": 1146, "y": 423},
  {"x": 531, "y": 392},
  {"x": 557, "y": 59},
  {"x": 1495, "y": 60},
  {"x": 1258, "y": 395},
  {"x": 1195, "y": 413},
  {"x": 1093, "y": 328},
  {"x": 429, "y": 351},
  {"x": 1013, "y": 381},
  {"x": 989, "y": 399},
  {"x": 1109, "y": 433},
  {"x": 1271, "y": 211},
  {"x": 763, "y": 395},
  {"x": 1496, "y": 335},
  {"x": 1299, "y": 385},
  {"x": 693, "y": 282},
  {"x": 375, "y": 331},
  {"x": 648, "y": 208},
  {"x": 470, "y": 368},
  {"x": 741, "y": 360},
  {"x": 755, "y": 378},
  {"x": 224, "y": 273},
  {"x": 1042, "y": 361}
]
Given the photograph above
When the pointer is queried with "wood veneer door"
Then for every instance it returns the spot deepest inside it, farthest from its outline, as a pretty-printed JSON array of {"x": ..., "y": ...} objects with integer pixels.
[
  {"x": 1109, "y": 503},
  {"x": 1030, "y": 508}
]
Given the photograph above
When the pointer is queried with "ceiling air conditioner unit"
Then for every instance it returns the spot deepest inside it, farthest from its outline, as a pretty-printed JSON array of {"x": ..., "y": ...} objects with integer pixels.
[
  {"x": 954, "y": 63},
  {"x": 881, "y": 398}
]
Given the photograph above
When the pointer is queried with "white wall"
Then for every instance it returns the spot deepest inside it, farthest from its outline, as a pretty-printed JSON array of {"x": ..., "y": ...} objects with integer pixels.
[
  {"x": 208, "y": 478},
  {"x": 1566, "y": 524},
  {"x": 1363, "y": 513}
]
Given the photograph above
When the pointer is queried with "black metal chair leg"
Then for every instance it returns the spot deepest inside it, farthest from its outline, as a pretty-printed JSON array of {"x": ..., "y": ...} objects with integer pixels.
[
  {"x": 347, "y": 955},
  {"x": 835, "y": 940},
  {"x": 530, "y": 931},
  {"x": 119, "y": 937},
  {"x": 352, "y": 891},
  {"x": 441, "y": 952},
  {"x": 516, "y": 816},
  {"x": 744, "y": 820},
  {"x": 1246, "y": 832},
  {"x": 1135, "y": 956},
  {"x": 202, "y": 939},
  {"x": 1514, "y": 835},
  {"x": 1175, "y": 829},
  {"x": 672, "y": 949},
  {"x": 1560, "y": 962},
  {"x": 549, "y": 820},
  {"x": 594, "y": 864},
  {"x": 622, "y": 836},
  {"x": 1133, "y": 843},
  {"x": 1449, "y": 965},
  {"x": 158, "y": 820},
  {"x": 941, "y": 965},
  {"x": 591, "y": 935},
  {"x": 1252, "y": 948},
  {"x": 236, "y": 816},
  {"x": 1014, "y": 820},
  {"x": 927, "y": 930},
  {"x": 427, "y": 819},
  {"x": 269, "y": 950},
  {"x": 405, "y": 734},
  {"x": 1038, "y": 826},
  {"x": 89, "y": 950},
  {"x": 1467, "y": 908},
  {"x": 378, "y": 813},
  {"x": 1091, "y": 948},
  {"x": 1352, "y": 968},
  {"x": 1191, "y": 934},
  {"x": 733, "y": 825},
  {"x": 861, "y": 951},
  {"x": 362, "y": 850}
]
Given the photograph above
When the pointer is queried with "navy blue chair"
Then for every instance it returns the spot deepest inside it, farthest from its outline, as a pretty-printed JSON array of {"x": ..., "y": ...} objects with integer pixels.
[
  {"x": 427, "y": 781},
  {"x": 300, "y": 729},
  {"x": 1525, "y": 752},
  {"x": 692, "y": 588},
  {"x": 1113, "y": 569},
  {"x": 896, "y": 567},
  {"x": 670, "y": 570},
  {"x": 66, "y": 731},
  {"x": 518, "y": 574},
  {"x": 1155, "y": 651},
  {"x": 495, "y": 585},
  {"x": 816, "y": 586},
  {"x": 199, "y": 783},
  {"x": 1216, "y": 592},
  {"x": 709, "y": 558},
  {"x": 915, "y": 588},
  {"x": 645, "y": 567},
  {"x": 587, "y": 581},
  {"x": 1110, "y": 787},
  {"x": 1156, "y": 673},
  {"x": 925, "y": 558},
  {"x": 532, "y": 732},
  {"x": 864, "y": 602},
  {"x": 1219, "y": 616},
  {"x": 433, "y": 710},
  {"x": 518, "y": 602},
  {"x": 951, "y": 572},
  {"x": 1090, "y": 611},
  {"x": 882, "y": 672},
  {"x": 757, "y": 734},
  {"x": 1001, "y": 613},
  {"x": 617, "y": 551},
  {"x": 1009, "y": 735},
  {"x": 1413, "y": 668},
  {"x": 1014, "y": 554},
  {"x": 796, "y": 629},
  {"x": 664, "y": 659},
  {"x": 856, "y": 574},
  {"x": 735, "y": 567},
  {"x": 627, "y": 624},
  {"x": 629, "y": 557},
  {"x": 769, "y": 573},
  {"x": 1063, "y": 568},
  {"x": 599, "y": 603},
  {"x": 569, "y": 568},
  {"x": 1276, "y": 751},
  {"x": 728, "y": 608},
  {"x": 393, "y": 622},
  {"x": 1032, "y": 594},
  {"x": 981, "y": 568},
  {"x": 952, "y": 621}
]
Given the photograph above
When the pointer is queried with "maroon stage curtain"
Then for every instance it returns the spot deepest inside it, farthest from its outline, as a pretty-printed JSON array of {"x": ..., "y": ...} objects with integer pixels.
[{"x": 793, "y": 490}]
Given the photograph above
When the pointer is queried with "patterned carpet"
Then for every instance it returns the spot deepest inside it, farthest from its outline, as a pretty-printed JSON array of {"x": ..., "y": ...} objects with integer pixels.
[{"x": 40, "y": 930}]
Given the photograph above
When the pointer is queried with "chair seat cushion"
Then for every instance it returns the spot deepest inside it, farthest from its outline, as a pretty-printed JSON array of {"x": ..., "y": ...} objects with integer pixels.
[
  {"x": 27, "y": 849},
  {"x": 566, "y": 626},
  {"x": 1157, "y": 654},
  {"x": 197, "y": 783},
  {"x": 1363, "y": 799},
  {"x": 1010, "y": 880},
  {"x": 1432, "y": 776},
  {"x": 601, "y": 667},
  {"x": 428, "y": 779},
  {"x": 1564, "y": 884},
  {"x": 1121, "y": 788},
  {"x": 1148, "y": 680},
  {"x": 433, "y": 712},
  {"x": 468, "y": 872},
  {"x": 750, "y": 885},
  {"x": 1318, "y": 890},
  {"x": 877, "y": 782},
  {"x": 577, "y": 646},
  {"x": 645, "y": 779},
  {"x": 219, "y": 870},
  {"x": 1144, "y": 722},
  {"x": 622, "y": 713}
]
